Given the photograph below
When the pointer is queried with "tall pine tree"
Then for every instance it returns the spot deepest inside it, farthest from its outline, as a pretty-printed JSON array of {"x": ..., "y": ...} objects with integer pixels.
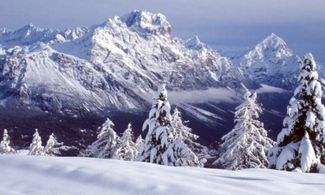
[
  {"x": 162, "y": 145},
  {"x": 300, "y": 144},
  {"x": 160, "y": 133},
  {"x": 246, "y": 145},
  {"x": 105, "y": 144}
]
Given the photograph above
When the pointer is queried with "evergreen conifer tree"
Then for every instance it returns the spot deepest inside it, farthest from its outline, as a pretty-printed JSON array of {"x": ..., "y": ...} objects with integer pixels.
[
  {"x": 246, "y": 145},
  {"x": 184, "y": 133},
  {"x": 126, "y": 148},
  {"x": 36, "y": 147},
  {"x": 5, "y": 147},
  {"x": 105, "y": 144},
  {"x": 301, "y": 143},
  {"x": 160, "y": 133},
  {"x": 162, "y": 146},
  {"x": 52, "y": 146},
  {"x": 139, "y": 146}
]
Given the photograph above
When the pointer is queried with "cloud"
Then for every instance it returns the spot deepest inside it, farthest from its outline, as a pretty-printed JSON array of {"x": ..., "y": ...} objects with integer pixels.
[
  {"x": 269, "y": 89},
  {"x": 203, "y": 96}
]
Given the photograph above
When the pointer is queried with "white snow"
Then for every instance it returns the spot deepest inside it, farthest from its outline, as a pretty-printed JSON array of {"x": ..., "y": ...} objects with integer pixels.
[
  {"x": 286, "y": 155},
  {"x": 145, "y": 22},
  {"x": 322, "y": 81},
  {"x": 194, "y": 43},
  {"x": 308, "y": 157},
  {"x": 39, "y": 175}
]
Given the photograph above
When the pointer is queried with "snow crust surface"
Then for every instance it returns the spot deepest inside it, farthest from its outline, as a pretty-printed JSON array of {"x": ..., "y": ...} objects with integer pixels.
[{"x": 52, "y": 175}]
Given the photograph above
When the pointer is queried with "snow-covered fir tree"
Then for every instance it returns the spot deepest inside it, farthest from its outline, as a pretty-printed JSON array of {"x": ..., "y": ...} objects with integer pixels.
[
  {"x": 184, "y": 133},
  {"x": 139, "y": 146},
  {"x": 161, "y": 144},
  {"x": 300, "y": 144},
  {"x": 160, "y": 133},
  {"x": 246, "y": 145},
  {"x": 5, "y": 147},
  {"x": 105, "y": 144},
  {"x": 52, "y": 146},
  {"x": 36, "y": 147},
  {"x": 126, "y": 148}
]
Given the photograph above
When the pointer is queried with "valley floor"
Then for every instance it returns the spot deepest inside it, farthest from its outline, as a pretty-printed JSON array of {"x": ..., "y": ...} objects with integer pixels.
[{"x": 73, "y": 175}]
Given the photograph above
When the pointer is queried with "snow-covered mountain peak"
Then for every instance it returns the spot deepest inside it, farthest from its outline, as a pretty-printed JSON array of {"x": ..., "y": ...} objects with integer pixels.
[
  {"x": 273, "y": 38},
  {"x": 31, "y": 34},
  {"x": 273, "y": 45},
  {"x": 27, "y": 35},
  {"x": 29, "y": 26},
  {"x": 271, "y": 60},
  {"x": 29, "y": 30},
  {"x": 194, "y": 43},
  {"x": 146, "y": 22},
  {"x": 75, "y": 33}
]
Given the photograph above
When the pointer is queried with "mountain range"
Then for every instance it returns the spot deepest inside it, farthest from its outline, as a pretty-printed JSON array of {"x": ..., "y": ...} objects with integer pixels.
[{"x": 68, "y": 81}]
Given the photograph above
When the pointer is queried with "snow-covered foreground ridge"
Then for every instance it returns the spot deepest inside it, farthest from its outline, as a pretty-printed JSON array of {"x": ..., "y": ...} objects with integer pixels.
[{"x": 48, "y": 175}]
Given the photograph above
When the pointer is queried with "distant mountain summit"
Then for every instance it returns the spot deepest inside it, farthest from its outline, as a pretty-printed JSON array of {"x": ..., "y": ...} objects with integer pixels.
[
  {"x": 30, "y": 34},
  {"x": 147, "y": 23},
  {"x": 271, "y": 62}
]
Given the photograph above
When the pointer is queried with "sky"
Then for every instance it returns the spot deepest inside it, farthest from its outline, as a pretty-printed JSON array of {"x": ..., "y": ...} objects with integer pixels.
[{"x": 226, "y": 25}]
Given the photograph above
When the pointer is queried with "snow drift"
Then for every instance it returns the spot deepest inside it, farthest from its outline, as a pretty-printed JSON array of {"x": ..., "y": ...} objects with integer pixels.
[{"x": 49, "y": 175}]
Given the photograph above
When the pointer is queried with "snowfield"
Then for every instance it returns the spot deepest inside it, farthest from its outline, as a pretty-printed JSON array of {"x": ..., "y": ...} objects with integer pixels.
[{"x": 74, "y": 175}]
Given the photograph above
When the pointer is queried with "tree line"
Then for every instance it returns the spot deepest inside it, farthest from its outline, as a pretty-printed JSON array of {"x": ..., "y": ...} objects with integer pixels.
[{"x": 35, "y": 148}]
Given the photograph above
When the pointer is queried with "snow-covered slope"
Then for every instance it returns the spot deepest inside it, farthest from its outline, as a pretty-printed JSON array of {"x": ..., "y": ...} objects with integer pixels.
[{"x": 50, "y": 175}]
